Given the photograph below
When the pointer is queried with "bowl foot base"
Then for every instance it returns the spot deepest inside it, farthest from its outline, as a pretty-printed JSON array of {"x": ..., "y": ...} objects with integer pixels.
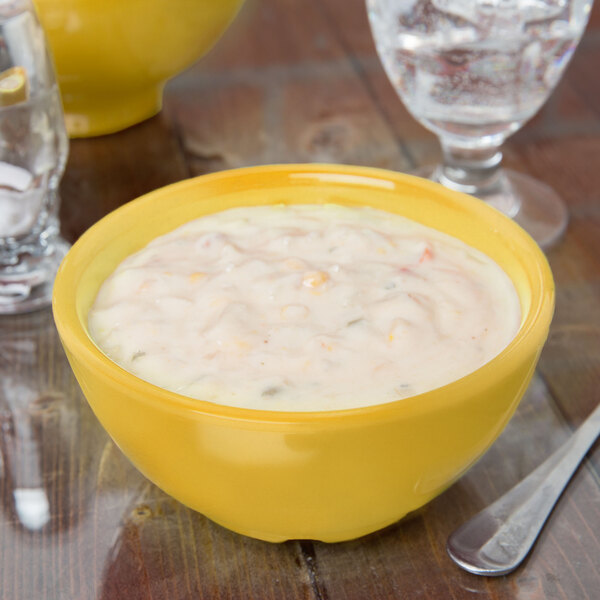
[{"x": 101, "y": 114}]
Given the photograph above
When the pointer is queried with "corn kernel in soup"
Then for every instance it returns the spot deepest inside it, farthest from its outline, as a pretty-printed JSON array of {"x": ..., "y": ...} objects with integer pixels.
[{"x": 304, "y": 308}]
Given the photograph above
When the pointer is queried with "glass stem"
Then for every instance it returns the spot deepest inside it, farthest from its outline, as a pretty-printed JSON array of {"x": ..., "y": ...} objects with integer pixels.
[
  {"x": 478, "y": 171},
  {"x": 471, "y": 170}
]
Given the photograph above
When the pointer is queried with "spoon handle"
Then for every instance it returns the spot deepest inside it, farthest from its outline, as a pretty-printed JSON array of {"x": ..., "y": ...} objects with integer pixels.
[{"x": 496, "y": 540}]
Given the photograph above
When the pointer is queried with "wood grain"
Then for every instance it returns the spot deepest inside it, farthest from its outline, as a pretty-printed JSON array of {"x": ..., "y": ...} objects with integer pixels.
[{"x": 290, "y": 82}]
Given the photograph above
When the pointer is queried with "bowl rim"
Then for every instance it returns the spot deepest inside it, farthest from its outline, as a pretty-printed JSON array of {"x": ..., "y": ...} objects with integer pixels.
[{"x": 528, "y": 340}]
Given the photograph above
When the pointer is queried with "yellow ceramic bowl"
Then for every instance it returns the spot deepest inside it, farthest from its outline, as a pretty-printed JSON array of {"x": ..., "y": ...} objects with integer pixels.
[
  {"x": 323, "y": 475},
  {"x": 113, "y": 57}
]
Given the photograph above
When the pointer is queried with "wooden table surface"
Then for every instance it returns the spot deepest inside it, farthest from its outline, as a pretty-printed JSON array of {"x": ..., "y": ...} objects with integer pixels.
[{"x": 295, "y": 82}]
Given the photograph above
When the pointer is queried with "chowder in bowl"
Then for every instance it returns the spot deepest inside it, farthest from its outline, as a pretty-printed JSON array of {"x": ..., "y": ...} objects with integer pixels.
[{"x": 330, "y": 474}]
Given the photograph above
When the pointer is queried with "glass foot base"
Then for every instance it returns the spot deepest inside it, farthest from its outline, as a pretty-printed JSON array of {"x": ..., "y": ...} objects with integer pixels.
[
  {"x": 27, "y": 285},
  {"x": 535, "y": 206},
  {"x": 540, "y": 211}
]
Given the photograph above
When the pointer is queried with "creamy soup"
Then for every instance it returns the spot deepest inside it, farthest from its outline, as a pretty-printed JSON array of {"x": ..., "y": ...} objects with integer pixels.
[{"x": 304, "y": 307}]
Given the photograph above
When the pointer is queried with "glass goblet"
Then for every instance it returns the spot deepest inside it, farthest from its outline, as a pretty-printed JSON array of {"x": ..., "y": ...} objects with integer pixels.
[
  {"x": 33, "y": 152},
  {"x": 473, "y": 72}
]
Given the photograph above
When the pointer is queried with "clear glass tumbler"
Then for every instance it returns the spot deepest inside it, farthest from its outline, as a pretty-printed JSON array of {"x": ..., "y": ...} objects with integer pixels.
[
  {"x": 33, "y": 153},
  {"x": 473, "y": 72}
]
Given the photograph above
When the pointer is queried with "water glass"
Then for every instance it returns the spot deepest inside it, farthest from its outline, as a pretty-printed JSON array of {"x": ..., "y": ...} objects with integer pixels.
[
  {"x": 473, "y": 72},
  {"x": 33, "y": 152}
]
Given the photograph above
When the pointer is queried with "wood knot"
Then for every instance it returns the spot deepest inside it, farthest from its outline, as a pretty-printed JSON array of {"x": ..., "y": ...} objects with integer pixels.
[{"x": 328, "y": 140}]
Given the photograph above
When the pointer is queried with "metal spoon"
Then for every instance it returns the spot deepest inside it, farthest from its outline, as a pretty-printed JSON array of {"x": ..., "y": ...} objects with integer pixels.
[{"x": 496, "y": 540}]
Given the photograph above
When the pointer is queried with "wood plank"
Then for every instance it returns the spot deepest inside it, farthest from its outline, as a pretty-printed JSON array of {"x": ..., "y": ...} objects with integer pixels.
[
  {"x": 267, "y": 34},
  {"x": 293, "y": 109},
  {"x": 570, "y": 361},
  {"x": 287, "y": 118},
  {"x": 105, "y": 172},
  {"x": 351, "y": 28},
  {"x": 222, "y": 127}
]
